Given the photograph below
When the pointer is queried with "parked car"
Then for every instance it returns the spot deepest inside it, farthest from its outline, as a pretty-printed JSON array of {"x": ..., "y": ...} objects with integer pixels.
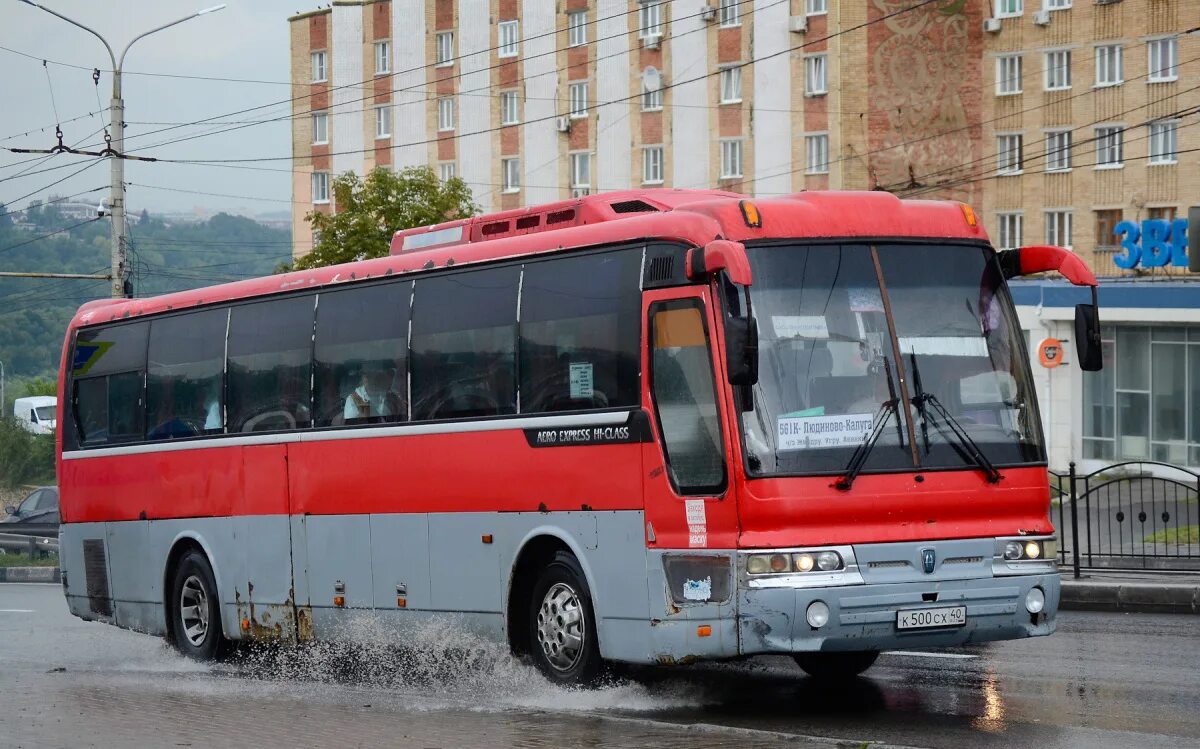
[
  {"x": 40, "y": 506},
  {"x": 37, "y": 413}
]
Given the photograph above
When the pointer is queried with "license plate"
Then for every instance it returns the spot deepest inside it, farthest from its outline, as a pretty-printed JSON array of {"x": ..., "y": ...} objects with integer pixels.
[{"x": 951, "y": 616}]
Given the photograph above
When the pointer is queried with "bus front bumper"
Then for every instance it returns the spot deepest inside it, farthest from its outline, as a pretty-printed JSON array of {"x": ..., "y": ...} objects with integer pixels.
[{"x": 868, "y": 617}]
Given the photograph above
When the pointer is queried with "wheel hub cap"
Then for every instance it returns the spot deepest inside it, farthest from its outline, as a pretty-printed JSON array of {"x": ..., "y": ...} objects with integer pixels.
[
  {"x": 561, "y": 627},
  {"x": 193, "y": 611}
]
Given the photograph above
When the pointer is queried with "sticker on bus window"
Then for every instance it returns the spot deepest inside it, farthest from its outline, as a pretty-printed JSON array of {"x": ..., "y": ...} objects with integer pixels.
[
  {"x": 944, "y": 346},
  {"x": 813, "y": 432},
  {"x": 698, "y": 590},
  {"x": 581, "y": 380},
  {"x": 865, "y": 300},
  {"x": 800, "y": 326}
]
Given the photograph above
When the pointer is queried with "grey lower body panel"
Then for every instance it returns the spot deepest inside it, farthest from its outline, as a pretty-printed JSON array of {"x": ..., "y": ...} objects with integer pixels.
[{"x": 864, "y": 617}]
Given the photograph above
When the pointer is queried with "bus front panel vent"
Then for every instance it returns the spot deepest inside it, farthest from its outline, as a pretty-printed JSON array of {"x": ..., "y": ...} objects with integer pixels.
[
  {"x": 95, "y": 572},
  {"x": 633, "y": 206}
]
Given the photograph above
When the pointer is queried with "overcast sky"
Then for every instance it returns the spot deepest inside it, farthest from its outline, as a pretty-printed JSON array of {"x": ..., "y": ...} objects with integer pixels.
[{"x": 246, "y": 40}]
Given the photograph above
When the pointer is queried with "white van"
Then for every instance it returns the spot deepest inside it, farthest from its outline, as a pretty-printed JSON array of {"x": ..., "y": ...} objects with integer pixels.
[{"x": 37, "y": 413}]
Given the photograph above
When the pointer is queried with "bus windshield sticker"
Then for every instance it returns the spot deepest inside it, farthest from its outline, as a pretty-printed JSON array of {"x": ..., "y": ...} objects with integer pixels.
[
  {"x": 810, "y": 432},
  {"x": 698, "y": 590},
  {"x": 944, "y": 346},
  {"x": 865, "y": 300},
  {"x": 581, "y": 380},
  {"x": 800, "y": 326}
]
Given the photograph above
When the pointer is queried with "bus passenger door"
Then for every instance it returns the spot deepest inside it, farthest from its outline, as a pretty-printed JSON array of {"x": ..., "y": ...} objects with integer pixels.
[{"x": 686, "y": 469}]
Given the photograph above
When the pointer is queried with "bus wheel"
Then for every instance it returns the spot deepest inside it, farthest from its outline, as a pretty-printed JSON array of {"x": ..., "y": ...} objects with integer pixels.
[
  {"x": 835, "y": 666},
  {"x": 195, "y": 610},
  {"x": 562, "y": 633}
]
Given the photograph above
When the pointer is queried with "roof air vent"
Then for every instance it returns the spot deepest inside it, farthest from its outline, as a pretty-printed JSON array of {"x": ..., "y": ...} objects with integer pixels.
[
  {"x": 528, "y": 222},
  {"x": 633, "y": 206},
  {"x": 558, "y": 217},
  {"x": 496, "y": 227}
]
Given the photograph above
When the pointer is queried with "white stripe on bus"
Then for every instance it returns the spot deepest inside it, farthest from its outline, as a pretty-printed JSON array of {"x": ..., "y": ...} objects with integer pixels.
[{"x": 398, "y": 430}]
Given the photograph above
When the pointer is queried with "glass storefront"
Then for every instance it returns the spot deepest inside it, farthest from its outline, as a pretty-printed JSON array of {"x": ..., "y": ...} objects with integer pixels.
[{"x": 1145, "y": 403}]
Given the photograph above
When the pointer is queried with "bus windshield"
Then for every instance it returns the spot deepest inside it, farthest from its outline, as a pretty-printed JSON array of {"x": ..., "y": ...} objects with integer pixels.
[{"x": 832, "y": 369}]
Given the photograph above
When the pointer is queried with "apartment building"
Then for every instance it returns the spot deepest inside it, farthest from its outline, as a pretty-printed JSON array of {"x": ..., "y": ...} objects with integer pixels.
[{"x": 531, "y": 101}]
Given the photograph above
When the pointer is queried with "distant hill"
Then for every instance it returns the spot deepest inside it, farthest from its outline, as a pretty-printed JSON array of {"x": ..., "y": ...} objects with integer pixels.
[{"x": 34, "y": 312}]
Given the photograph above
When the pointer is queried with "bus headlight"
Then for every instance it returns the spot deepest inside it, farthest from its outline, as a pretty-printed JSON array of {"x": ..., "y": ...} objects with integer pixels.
[
  {"x": 803, "y": 562},
  {"x": 828, "y": 561},
  {"x": 1033, "y": 550},
  {"x": 1012, "y": 551}
]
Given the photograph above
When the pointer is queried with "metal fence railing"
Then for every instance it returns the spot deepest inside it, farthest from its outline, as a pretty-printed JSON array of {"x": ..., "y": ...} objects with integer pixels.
[{"x": 1137, "y": 515}]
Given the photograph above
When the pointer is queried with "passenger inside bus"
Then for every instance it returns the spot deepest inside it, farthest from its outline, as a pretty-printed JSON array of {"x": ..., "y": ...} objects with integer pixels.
[{"x": 374, "y": 397}]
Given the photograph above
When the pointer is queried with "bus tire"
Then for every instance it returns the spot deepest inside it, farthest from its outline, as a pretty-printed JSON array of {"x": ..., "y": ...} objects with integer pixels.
[
  {"x": 836, "y": 666},
  {"x": 195, "y": 609},
  {"x": 562, "y": 624}
]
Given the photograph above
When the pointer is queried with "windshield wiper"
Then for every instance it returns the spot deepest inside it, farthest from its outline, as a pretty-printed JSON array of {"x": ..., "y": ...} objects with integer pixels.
[
  {"x": 888, "y": 409},
  {"x": 962, "y": 441}
]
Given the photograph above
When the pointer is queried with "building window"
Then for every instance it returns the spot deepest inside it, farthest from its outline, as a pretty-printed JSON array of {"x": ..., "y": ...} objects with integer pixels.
[
  {"x": 816, "y": 7},
  {"x": 730, "y": 15},
  {"x": 652, "y": 101},
  {"x": 816, "y": 150},
  {"x": 577, "y": 28},
  {"x": 1058, "y": 228},
  {"x": 581, "y": 171},
  {"x": 1110, "y": 147},
  {"x": 318, "y": 67},
  {"x": 1106, "y": 222},
  {"x": 383, "y": 57},
  {"x": 510, "y": 169},
  {"x": 731, "y": 85},
  {"x": 1057, "y": 4},
  {"x": 445, "y": 114},
  {"x": 1010, "y": 230},
  {"x": 320, "y": 128},
  {"x": 1143, "y": 403},
  {"x": 1109, "y": 65},
  {"x": 1161, "y": 213},
  {"x": 1164, "y": 59},
  {"x": 445, "y": 49},
  {"x": 1058, "y": 69},
  {"x": 1008, "y": 153},
  {"x": 731, "y": 158},
  {"x": 1009, "y": 8},
  {"x": 383, "y": 121},
  {"x": 320, "y": 187},
  {"x": 1058, "y": 150},
  {"x": 509, "y": 111},
  {"x": 650, "y": 19},
  {"x": 1008, "y": 75},
  {"x": 652, "y": 165},
  {"x": 816, "y": 81},
  {"x": 1163, "y": 148},
  {"x": 578, "y": 93},
  {"x": 446, "y": 171},
  {"x": 508, "y": 39}
]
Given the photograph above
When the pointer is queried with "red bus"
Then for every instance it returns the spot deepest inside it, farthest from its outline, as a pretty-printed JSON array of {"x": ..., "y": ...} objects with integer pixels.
[{"x": 652, "y": 427}]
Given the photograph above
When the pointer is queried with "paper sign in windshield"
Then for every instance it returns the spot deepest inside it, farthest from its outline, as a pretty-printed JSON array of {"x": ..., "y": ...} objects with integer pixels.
[
  {"x": 812, "y": 432},
  {"x": 800, "y": 326},
  {"x": 581, "y": 380}
]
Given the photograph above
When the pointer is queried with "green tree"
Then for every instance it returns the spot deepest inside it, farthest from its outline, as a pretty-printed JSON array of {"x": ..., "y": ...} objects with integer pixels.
[
  {"x": 370, "y": 210},
  {"x": 41, "y": 386}
]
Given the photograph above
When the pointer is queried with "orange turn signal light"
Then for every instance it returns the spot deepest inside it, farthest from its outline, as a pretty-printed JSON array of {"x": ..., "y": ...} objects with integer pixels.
[
  {"x": 245, "y": 625},
  {"x": 969, "y": 214},
  {"x": 486, "y": 538},
  {"x": 339, "y": 601},
  {"x": 401, "y": 603},
  {"x": 750, "y": 214},
  {"x": 704, "y": 630}
]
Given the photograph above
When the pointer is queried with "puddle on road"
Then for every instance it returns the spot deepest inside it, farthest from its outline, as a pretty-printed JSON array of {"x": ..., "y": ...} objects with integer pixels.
[{"x": 443, "y": 665}]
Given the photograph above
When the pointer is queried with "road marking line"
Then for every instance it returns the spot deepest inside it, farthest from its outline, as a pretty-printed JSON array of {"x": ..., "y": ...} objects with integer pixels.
[
  {"x": 16, "y": 611},
  {"x": 922, "y": 654}
]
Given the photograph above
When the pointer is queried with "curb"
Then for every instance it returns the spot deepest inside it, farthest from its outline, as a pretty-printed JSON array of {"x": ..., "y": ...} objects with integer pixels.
[
  {"x": 1150, "y": 598},
  {"x": 30, "y": 575}
]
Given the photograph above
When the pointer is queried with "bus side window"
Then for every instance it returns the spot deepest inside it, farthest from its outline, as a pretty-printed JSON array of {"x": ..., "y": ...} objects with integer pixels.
[
  {"x": 270, "y": 364},
  {"x": 184, "y": 375},
  {"x": 579, "y": 332},
  {"x": 108, "y": 371},
  {"x": 684, "y": 389},
  {"x": 361, "y": 361},
  {"x": 464, "y": 344}
]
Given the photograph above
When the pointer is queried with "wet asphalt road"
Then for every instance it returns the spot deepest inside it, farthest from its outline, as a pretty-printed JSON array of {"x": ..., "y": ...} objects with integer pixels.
[{"x": 1105, "y": 680}]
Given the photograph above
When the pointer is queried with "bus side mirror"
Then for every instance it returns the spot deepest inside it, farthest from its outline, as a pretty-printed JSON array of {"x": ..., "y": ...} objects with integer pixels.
[
  {"x": 1087, "y": 337},
  {"x": 741, "y": 350}
]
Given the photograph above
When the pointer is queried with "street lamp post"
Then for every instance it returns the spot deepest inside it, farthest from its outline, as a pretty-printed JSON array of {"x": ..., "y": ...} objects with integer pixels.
[{"x": 117, "y": 133}]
